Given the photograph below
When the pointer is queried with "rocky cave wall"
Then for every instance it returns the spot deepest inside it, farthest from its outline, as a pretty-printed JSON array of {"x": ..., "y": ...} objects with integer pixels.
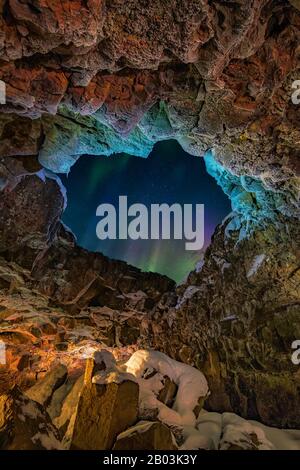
[
  {"x": 237, "y": 314},
  {"x": 98, "y": 77}
]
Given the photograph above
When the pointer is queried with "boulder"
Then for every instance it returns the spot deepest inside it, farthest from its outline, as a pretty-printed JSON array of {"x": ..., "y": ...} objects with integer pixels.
[
  {"x": 100, "y": 414},
  {"x": 59, "y": 396},
  {"x": 24, "y": 424},
  {"x": 68, "y": 407},
  {"x": 44, "y": 389},
  {"x": 146, "y": 435}
]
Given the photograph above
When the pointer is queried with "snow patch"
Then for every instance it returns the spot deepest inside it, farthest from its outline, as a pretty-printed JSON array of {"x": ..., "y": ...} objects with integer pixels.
[
  {"x": 44, "y": 174},
  {"x": 191, "y": 383},
  {"x": 48, "y": 441},
  {"x": 188, "y": 294},
  {"x": 30, "y": 410},
  {"x": 256, "y": 264},
  {"x": 112, "y": 373},
  {"x": 243, "y": 434}
]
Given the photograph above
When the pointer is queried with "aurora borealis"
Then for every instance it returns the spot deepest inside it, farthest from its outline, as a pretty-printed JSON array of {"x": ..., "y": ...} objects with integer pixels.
[{"x": 96, "y": 180}]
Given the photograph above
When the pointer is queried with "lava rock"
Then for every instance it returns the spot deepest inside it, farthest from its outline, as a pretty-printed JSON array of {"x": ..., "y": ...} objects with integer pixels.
[
  {"x": 168, "y": 393},
  {"x": 24, "y": 424},
  {"x": 100, "y": 414},
  {"x": 68, "y": 407},
  {"x": 146, "y": 435},
  {"x": 44, "y": 389}
]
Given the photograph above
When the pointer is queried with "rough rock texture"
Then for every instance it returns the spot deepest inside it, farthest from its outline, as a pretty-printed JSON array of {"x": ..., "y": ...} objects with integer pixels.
[
  {"x": 210, "y": 74},
  {"x": 101, "y": 413},
  {"x": 25, "y": 425},
  {"x": 68, "y": 407},
  {"x": 235, "y": 319},
  {"x": 30, "y": 215},
  {"x": 237, "y": 314},
  {"x": 38, "y": 331},
  {"x": 57, "y": 299},
  {"x": 43, "y": 391},
  {"x": 31, "y": 234},
  {"x": 168, "y": 393},
  {"x": 146, "y": 435},
  {"x": 100, "y": 77}
]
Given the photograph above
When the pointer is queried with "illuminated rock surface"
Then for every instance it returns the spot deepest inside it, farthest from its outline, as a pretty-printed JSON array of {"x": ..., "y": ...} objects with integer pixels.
[
  {"x": 103, "y": 77},
  {"x": 95, "y": 417}
]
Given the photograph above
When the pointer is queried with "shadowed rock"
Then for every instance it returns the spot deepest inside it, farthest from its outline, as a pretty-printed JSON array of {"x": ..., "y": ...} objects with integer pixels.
[
  {"x": 24, "y": 425},
  {"x": 146, "y": 435}
]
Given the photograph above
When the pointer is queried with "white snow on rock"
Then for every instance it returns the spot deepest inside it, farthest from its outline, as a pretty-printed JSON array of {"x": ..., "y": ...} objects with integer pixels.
[
  {"x": 193, "y": 439},
  {"x": 222, "y": 431},
  {"x": 48, "y": 441},
  {"x": 199, "y": 266},
  {"x": 113, "y": 376},
  {"x": 140, "y": 427},
  {"x": 256, "y": 264},
  {"x": 210, "y": 431},
  {"x": 29, "y": 409},
  {"x": 112, "y": 373},
  {"x": 243, "y": 434},
  {"x": 192, "y": 386},
  {"x": 209, "y": 426},
  {"x": 105, "y": 356},
  {"x": 30, "y": 413},
  {"x": 189, "y": 292},
  {"x": 237, "y": 430},
  {"x": 233, "y": 224}
]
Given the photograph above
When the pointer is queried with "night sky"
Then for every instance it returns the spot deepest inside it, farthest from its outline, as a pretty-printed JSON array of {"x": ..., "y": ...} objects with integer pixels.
[{"x": 168, "y": 175}]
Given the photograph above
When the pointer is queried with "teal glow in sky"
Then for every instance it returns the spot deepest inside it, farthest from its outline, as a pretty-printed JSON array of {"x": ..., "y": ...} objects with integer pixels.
[{"x": 168, "y": 175}]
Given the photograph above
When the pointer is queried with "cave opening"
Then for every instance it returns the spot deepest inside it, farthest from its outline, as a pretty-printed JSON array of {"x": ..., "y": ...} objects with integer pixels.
[{"x": 153, "y": 180}]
